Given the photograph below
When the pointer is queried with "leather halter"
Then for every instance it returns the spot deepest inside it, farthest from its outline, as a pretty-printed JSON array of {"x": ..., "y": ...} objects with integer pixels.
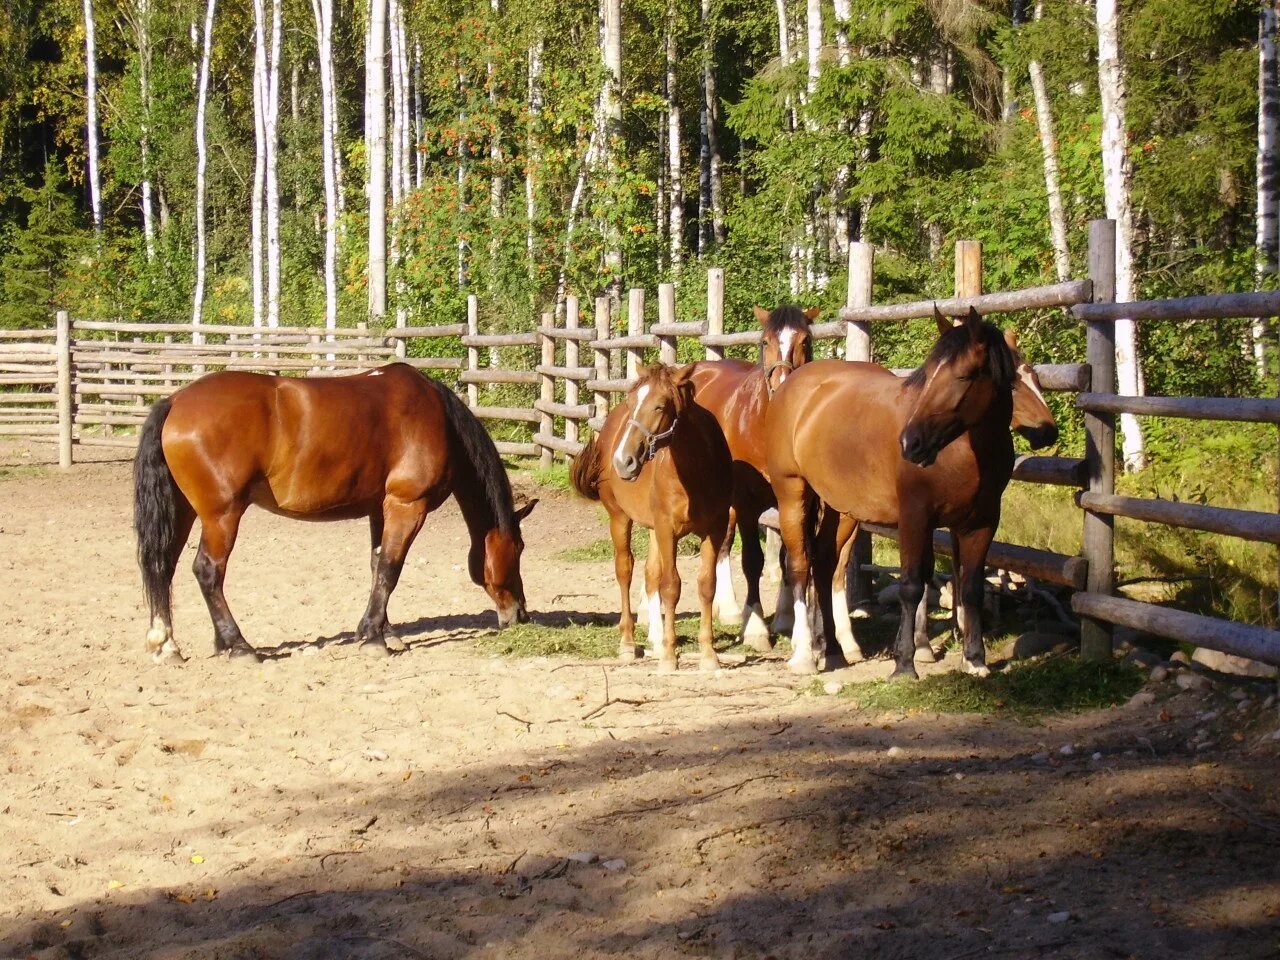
[
  {"x": 651, "y": 439},
  {"x": 768, "y": 374}
]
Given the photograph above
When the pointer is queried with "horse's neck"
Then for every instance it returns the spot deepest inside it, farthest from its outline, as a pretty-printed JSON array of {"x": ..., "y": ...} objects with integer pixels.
[{"x": 468, "y": 490}]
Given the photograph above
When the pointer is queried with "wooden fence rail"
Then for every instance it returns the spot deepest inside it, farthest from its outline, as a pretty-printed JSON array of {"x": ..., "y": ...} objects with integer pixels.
[{"x": 82, "y": 382}]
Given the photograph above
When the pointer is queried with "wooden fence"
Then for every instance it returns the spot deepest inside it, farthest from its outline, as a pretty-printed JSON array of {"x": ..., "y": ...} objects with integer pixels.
[{"x": 80, "y": 382}]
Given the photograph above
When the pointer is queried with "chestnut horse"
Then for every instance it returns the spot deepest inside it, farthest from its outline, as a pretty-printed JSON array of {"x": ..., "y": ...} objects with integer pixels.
[
  {"x": 660, "y": 460},
  {"x": 388, "y": 445},
  {"x": 931, "y": 450},
  {"x": 737, "y": 394}
]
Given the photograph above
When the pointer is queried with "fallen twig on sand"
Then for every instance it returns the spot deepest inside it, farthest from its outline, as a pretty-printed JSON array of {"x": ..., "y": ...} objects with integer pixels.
[
  {"x": 1243, "y": 815},
  {"x": 685, "y": 801},
  {"x": 528, "y": 724},
  {"x": 729, "y": 831},
  {"x": 610, "y": 701}
]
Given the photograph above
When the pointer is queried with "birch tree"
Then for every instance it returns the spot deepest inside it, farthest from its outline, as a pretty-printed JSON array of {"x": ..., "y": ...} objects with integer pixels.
[
  {"x": 202, "y": 159},
  {"x": 272, "y": 131},
  {"x": 711, "y": 109},
  {"x": 1049, "y": 147},
  {"x": 323, "y": 13},
  {"x": 1268, "y": 174},
  {"x": 259, "y": 158},
  {"x": 1116, "y": 180},
  {"x": 375, "y": 72},
  {"x": 611, "y": 111},
  {"x": 533, "y": 97},
  {"x": 675, "y": 193},
  {"x": 91, "y": 102}
]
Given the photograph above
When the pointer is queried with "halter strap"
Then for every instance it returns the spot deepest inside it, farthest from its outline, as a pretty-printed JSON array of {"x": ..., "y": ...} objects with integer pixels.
[
  {"x": 651, "y": 439},
  {"x": 770, "y": 389}
]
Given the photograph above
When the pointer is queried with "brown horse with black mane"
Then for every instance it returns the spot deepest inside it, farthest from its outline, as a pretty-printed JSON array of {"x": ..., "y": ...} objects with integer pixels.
[
  {"x": 932, "y": 450},
  {"x": 660, "y": 460},
  {"x": 737, "y": 394},
  {"x": 389, "y": 445}
]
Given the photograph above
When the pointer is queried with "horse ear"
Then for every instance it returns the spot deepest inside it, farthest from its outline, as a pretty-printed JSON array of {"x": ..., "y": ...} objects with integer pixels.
[
  {"x": 682, "y": 377},
  {"x": 973, "y": 323},
  {"x": 944, "y": 323},
  {"x": 1011, "y": 338},
  {"x": 761, "y": 314},
  {"x": 527, "y": 509},
  {"x": 812, "y": 314},
  {"x": 682, "y": 374}
]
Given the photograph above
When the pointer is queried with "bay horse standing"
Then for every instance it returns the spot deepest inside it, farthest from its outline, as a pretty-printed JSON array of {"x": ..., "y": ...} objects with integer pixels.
[
  {"x": 389, "y": 445},
  {"x": 660, "y": 460},
  {"x": 931, "y": 450},
  {"x": 737, "y": 394}
]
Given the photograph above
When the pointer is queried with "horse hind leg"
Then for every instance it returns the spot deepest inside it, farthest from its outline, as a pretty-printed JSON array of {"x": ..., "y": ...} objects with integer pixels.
[
  {"x": 390, "y": 640},
  {"x": 971, "y": 555},
  {"x": 846, "y": 536},
  {"x": 653, "y": 602},
  {"x": 725, "y": 605},
  {"x": 401, "y": 521},
  {"x": 217, "y": 540},
  {"x": 160, "y": 641},
  {"x": 924, "y": 647}
]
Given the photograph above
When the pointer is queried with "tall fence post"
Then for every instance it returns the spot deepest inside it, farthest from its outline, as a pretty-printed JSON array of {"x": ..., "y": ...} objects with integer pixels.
[
  {"x": 968, "y": 268},
  {"x": 473, "y": 353},
  {"x": 857, "y": 346},
  {"x": 635, "y": 327},
  {"x": 601, "y": 398},
  {"x": 715, "y": 309},
  {"x": 1100, "y": 438},
  {"x": 571, "y": 360},
  {"x": 667, "y": 314},
  {"x": 547, "y": 391},
  {"x": 65, "y": 412}
]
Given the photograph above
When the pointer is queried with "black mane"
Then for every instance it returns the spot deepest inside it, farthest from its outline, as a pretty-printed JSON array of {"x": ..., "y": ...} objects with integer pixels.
[
  {"x": 788, "y": 315},
  {"x": 1000, "y": 365},
  {"x": 484, "y": 458}
]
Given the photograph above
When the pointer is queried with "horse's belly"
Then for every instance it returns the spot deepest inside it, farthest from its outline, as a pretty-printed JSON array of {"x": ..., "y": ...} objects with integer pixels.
[{"x": 320, "y": 497}]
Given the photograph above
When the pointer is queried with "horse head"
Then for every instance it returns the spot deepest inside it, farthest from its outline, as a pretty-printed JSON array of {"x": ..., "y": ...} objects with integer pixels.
[
  {"x": 968, "y": 376},
  {"x": 499, "y": 571},
  {"x": 1032, "y": 417},
  {"x": 787, "y": 342},
  {"x": 654, "y": 404}
]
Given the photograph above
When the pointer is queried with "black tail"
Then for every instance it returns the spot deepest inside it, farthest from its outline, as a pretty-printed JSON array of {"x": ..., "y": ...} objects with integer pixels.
[
  {"x": 585, "y": 473},
  {"x": 155, "y": 512},
  {"x": 482, "y": 453}
]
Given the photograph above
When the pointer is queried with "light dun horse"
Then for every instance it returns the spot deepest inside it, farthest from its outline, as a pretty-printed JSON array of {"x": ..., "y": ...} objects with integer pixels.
[
  {"x": 388, "y": 445},
  {"x": 737, "y": 394},
  {"x": 660, "y": 460},
  {"x": 933, "y": 450}
]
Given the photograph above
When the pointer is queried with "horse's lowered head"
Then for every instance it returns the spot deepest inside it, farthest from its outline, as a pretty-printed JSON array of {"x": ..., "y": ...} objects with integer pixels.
[
  {"x": 1032, "y": 418},
  {"x": 654, "y": 404},
  {"x": 968, "y": 376},
  {"x": 787, "y": 342},
  {"x": 498, "y": 568}
]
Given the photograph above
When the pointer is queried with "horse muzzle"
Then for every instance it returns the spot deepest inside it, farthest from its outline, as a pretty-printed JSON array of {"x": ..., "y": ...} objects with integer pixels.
[
  {"x": 516, "y": 613},
  {"x": 1045, "y": 435},
  {"x": 920, "y": 448},
  {"x": 627, "y": 467}
]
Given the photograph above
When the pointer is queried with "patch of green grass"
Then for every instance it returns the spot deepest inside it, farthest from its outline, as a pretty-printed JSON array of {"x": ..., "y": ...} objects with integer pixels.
[
  {"x": 597, "y": 639},
  {"x": 554, "y": 477},
  {"x": 22, "y": 470},
  {"x": 1025, "y": 690},
  {"x": 598, "y": 551}
]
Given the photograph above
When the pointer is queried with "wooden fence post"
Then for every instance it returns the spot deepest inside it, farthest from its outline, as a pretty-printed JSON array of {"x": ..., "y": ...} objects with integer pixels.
[
  {"x": 857, "y": 346},
  {"x": 363, "y": 326},
  {"x": 168, "y": 367},
  {"x": 547, "y": 391},
  {"x": 667, "y": 314},
  {"x": 64, "y": 390},
  {"x": 571, "y": 360},
  {"x": 601, "y": 398},
  {"x": 473, "y": 353},
  {"x": 635, "y": 327},
  {"x": 1100, "y": 438},
  {"x": 715, "y": 309},
  {"x": 968, "y": 268}
]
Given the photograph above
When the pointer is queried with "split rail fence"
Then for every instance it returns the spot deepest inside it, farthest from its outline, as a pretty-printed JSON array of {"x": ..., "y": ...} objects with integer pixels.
[{"x": 82, "y": 382}]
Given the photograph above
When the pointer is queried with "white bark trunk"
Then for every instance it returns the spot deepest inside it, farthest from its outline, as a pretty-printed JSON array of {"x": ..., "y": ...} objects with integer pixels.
[
  {"x": 589, "y": 162},
  {"x": 711, "y": 102},
  {"x": 323, "y": 12},
  {"x": 273, "y": 170},
  {"x": 142, "y": 30},
  {"x": 399, "y": 147},
  {"x": 419, "y": 160},
  {"x": 497, "y": 183},
  {"x": 841, "y": 219},
  {"x": 375, "y": 73},
  {"x": 259, "y": 157},
  {"x": 611, "y": 107},
  {"x": 1116, "y": 177},
  {"x": 675, "y": 191},
  {"x": 533, "y": 154},
  {"x": 202, "y": 157},
  {"x": 1268, "y": 227},
  {"x": 1049, "y": 147},
  {"x": 91, "y": 99},
  {"x": 459, "y": 151}
]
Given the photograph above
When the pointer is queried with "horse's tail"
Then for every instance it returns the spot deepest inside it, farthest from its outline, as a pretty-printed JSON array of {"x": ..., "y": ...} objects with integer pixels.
[
  {"x": 585, "y": 473},
  {"x": 155, "y": 512}
]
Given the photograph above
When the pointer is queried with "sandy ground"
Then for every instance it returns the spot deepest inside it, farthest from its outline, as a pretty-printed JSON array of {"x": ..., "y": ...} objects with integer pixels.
[{"x": 329, "y": 805}]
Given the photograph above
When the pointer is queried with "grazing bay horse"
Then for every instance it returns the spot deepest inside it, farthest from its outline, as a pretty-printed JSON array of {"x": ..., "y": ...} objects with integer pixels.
[
  {"x": 931, "y": 450},
  {"x": 388, "y": 445},
  {"x": 737, "y": 394},
  {"x": 660, "y": 460}
]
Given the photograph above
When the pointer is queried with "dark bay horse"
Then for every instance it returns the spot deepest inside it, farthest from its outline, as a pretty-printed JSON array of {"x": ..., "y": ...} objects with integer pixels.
[
  {"x": 737, "y": 394},
  {"x": 660, "y": 460},
  {"x": 388, "y": 445},
  {"x": 931, "y": 450}
]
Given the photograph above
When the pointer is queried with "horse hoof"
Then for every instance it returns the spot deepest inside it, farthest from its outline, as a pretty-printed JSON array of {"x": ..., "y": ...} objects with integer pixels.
[
  {"x": 393, "y": 643},
  {"x": 731, "y": 617},
  {"x": 709, "y": 664},
  {"x": 803, "y": 666},
  {"x": 976, "y": 669},
  {"x": 756, "y": 636},
  {"x": 628, "y": 653},
  {"x": 242, "y": 651},
  {"x": 904, "y": 673},
  {"x": 666, "y": 665},
  {"x": 374, "y": 649},
  {"x": 925, "y": 654},
  {"x": 834, "y": 660},
  {"x": 851, "y": 651},
  {"x": 168, "y": 652}
]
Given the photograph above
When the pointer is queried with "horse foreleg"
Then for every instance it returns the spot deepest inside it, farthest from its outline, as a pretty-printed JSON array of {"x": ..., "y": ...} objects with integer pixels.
[
  {"x": 653, "y": 602},
  {"x": 725, "y": 606},
  {"x": 623, "y": 565},
  {"x": 913, "y": 535},
  {"x": 920, "y": 626},
  {"x": 971, "y": 561},
  {"x": 706, "y": 592},
  {"x": 217, "y": 539},
  {"x": 846, "y": 535},
  {"x": 669, "y": 589},
  {"x": 401, "y": 521},
  {"x": 792, "y": 509},
  {"x": 755, "y": 632}
]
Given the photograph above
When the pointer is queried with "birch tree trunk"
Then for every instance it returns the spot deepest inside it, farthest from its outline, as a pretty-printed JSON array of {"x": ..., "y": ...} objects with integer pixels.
[
  {"x": 399, "y": 147},
  {"x": 1116, "y": 178},
  {"x": 794, "y": 254},
  {"x": 375, "y": 79},
  {"x": 1049, "y": 147},
  {"x": 661, "y": 214},
  {"x": 711, "y": 103},
  {"x": 533, "y": 155},
  {"x": 675, "y": 192},
  {"x": 323, "y": 12},
  {"x": 202, "y": 158},
  {"x": 259, "y": 157},
  {"x": 1268, "y": 175},
  {"x": 419, "y": 159},
  {"x": 497, "y": 182},
  {"x": 91, "y": 100},
  {"x": 142, "y": 34},
  {"x": 815, "y": 260},
  {"x": 611, "y": 109},
  {"x": 272, "y": 130},
  {"x": 589, "y": 162},
  {"x": 841, "y": 219},
  {"x": 461, "y": 170}
]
